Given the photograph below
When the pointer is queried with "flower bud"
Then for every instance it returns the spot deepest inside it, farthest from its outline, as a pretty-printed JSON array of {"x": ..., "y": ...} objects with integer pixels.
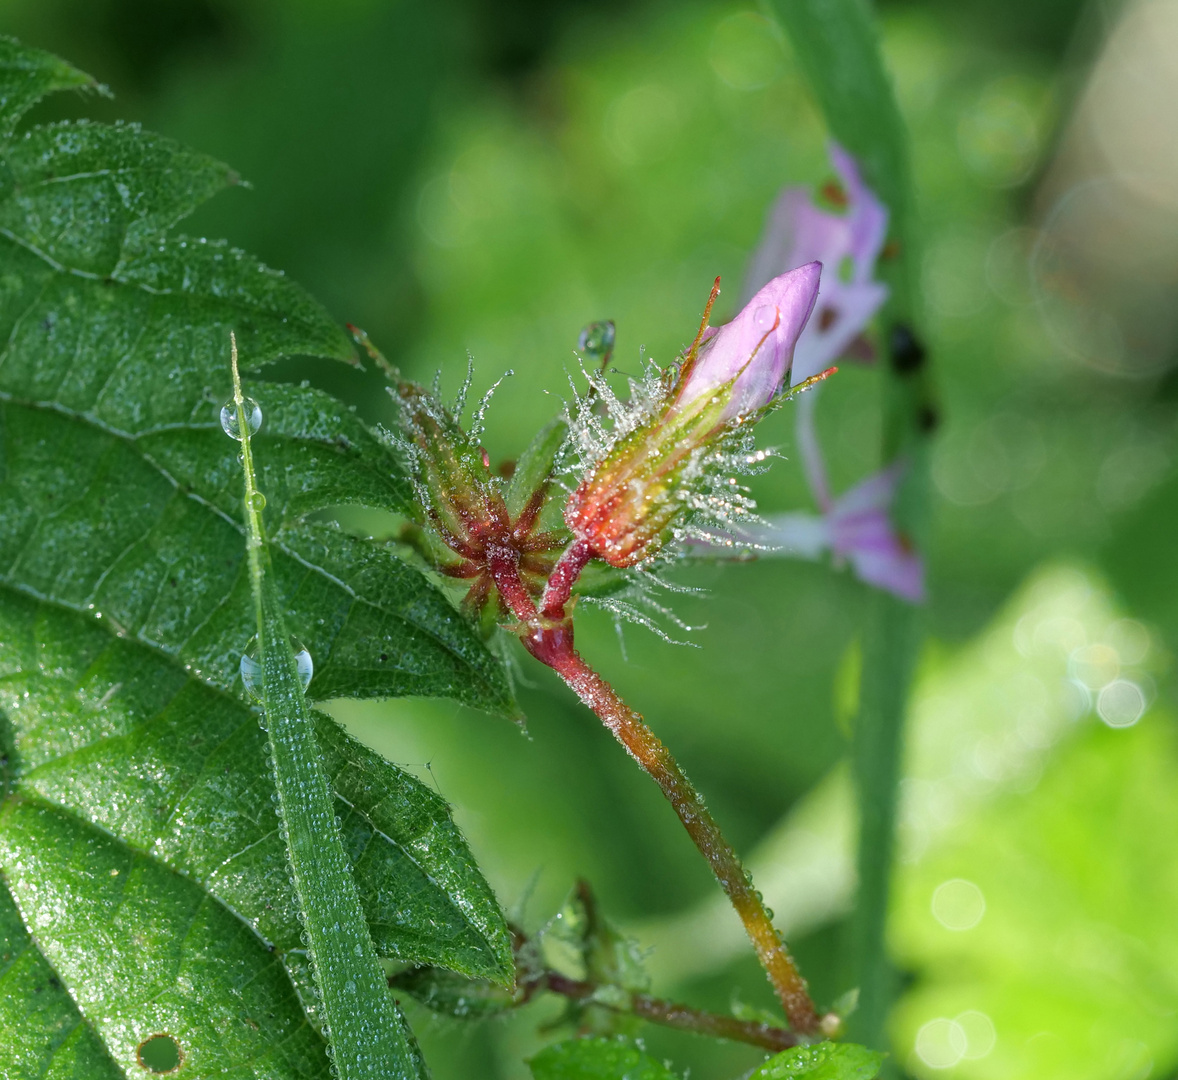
[
  {"x": 631, "y": 497},
  {"x": 748, "y": 358}
]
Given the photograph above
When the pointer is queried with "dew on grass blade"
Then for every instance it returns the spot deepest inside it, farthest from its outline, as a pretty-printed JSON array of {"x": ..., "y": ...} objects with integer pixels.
[
  {"x": 251, "y": 667},
  {"x": 253, "y": 414}
]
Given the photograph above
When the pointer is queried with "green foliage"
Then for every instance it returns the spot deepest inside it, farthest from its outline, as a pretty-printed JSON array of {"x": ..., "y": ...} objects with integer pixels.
[
  {"x": 826, "y": 1061},
  {"x": 144, "y": 881},
  {"x": 1079, "y": 981},
  {"x": 449, "y": 994},
  {"x": 597, "y": 1059}
]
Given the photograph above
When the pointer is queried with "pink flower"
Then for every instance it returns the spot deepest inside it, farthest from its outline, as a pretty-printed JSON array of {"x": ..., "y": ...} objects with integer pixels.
[
  {"x": 848, "y": 246},
  {"x": 755, "y": 350},
  {"x": 856, "y": 528}
]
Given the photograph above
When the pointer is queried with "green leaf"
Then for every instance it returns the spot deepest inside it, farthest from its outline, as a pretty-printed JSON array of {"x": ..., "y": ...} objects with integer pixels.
[
  {"x": 452, "y": 995},
  {"x": 27, "y": 75},
  {"x": 597, "y": 1059},
  {"x": 143, "y": 884},
  {"x": 114, "y": 365},
  {"x": 536, "y": 465},
  {"x": 44, "y": 1033},
  {"x": 825, "y": 1061}
]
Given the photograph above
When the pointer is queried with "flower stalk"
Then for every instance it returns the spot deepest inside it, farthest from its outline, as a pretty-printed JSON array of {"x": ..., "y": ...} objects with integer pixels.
[
  {"x": 550, "y": 641},
  {"x": 629, "y": 728}
]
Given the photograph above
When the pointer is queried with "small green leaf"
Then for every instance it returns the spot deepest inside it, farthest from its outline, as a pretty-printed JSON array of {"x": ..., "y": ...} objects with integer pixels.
[
  {"x": 597, "y": 1059},
  {"x": 452, "y": 995},
  {"x": 425, "y": 900},
  {"x": 824, "y": 1061}
]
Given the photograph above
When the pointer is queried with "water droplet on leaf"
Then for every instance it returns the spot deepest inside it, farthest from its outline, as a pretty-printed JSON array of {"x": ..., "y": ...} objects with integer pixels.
[
  {"x": 253, "y": 415},
  {"x": 258, "y": 501},
  {"x": 251, "y": 667}
]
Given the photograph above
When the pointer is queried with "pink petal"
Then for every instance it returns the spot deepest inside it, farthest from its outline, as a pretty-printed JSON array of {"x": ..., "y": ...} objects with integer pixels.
[{"x": 756, "y": 347}]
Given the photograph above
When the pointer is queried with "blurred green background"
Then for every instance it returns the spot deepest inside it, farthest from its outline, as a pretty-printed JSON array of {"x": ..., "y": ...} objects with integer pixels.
[{"x": 485, "y": 177}]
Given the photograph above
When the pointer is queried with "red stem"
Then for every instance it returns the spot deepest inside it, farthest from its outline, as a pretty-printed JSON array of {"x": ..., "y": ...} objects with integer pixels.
[
  {"x": 563, "y": 577},
  {"x": 681, "y": 1017},
  {"x": 548, "y": 636},
  {"x": 644, "y": 746}
]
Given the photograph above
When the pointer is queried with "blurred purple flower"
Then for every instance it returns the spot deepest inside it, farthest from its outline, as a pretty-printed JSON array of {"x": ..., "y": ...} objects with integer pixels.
[
  {"x": 757, "y": 347},
  {"x": 848, "y": 246},
  {"x": 856, "y": 528}
]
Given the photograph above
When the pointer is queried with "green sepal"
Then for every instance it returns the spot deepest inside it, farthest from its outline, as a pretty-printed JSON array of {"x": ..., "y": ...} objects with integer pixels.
[{"x": 536, "y": 465}]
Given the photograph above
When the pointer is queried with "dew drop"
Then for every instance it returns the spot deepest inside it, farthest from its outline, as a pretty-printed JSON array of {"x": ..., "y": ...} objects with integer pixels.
[
  {"x": 764, "y": 318},
  {"x": 251, "y": 668},
  {"x": 596, "y": 341},
  {"x": 258, "y": 501},
  {"x": 253, "y": 413}
]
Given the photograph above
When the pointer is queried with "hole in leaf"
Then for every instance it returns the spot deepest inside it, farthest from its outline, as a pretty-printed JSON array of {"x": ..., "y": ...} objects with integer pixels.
[{"x": 159, "y": 1054}]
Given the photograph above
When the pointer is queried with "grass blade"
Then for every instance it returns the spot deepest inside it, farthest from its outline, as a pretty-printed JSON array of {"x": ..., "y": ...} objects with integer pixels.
[{"x": 366, "y": 1034}]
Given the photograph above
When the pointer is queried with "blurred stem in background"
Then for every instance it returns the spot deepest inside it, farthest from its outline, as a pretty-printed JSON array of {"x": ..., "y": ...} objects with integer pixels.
[{"x": 837, "y": 47}]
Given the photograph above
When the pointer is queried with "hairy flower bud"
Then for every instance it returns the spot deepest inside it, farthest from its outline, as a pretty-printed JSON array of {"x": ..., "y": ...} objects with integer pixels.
[{"x": 630, "y": 498}]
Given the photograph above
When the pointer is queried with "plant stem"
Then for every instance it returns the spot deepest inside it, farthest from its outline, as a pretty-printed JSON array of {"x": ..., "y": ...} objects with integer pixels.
[
  {"x": 668, "y": 1014},
  {"x": 551, "y": 642},
  {"x": 890, "y": 642},
  {"x": 365, "y": 1032},
  {"x": 836, "y": 43},
  {"x": 563, "y": 577},
  {"x": 644, "y": 746}
]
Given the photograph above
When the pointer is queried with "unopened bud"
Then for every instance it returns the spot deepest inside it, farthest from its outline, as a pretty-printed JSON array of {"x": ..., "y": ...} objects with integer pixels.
[{"x": 626, "y": 505}]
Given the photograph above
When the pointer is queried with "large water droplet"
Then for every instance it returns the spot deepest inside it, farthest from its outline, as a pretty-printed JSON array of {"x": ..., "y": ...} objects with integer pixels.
[
  {"x": 258, "y": 501},
  {"x": 253, "y": 415},
  {"x": 251, "y": 667},
  {"x": 764, "y": 318},
  {"x": 597, "y": 341}
]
